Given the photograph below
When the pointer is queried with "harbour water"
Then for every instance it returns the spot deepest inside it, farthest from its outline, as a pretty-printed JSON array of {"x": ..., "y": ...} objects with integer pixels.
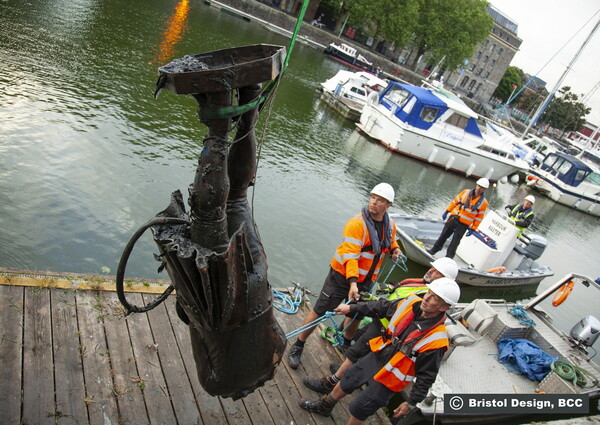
[{"x": 87, "y": 155}]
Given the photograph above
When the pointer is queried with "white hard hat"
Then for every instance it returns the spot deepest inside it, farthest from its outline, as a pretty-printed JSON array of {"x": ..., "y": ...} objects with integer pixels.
[
  {"x": 483, "y": 182},
  {"x": 384, "y": 190},
  {"x": 530, "y": 198},
  {"x": 446, "y": 266},
  {"x": 445, "y": 288}
]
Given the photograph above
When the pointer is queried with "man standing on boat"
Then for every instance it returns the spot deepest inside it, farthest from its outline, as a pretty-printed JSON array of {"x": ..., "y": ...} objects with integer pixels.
[
  {"x": 413, "y": 347},
  {"x": 442, "y": 267},
  {"x": 466, "y": 212},
  {"x": 368, "y": 236},
  {"x": 522, "y": 214}
]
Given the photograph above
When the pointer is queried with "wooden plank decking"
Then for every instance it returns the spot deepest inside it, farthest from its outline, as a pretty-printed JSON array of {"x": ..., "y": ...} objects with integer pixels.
[{"x": 69, "y": 356}]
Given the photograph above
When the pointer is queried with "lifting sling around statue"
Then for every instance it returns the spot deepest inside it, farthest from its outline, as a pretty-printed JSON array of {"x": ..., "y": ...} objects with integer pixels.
[{"x": 213, "y": 254}]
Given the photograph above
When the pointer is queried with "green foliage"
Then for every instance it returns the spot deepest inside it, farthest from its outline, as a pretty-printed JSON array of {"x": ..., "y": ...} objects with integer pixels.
[
  {"x": 450, "y": 30},
  {"x": 512, "y": 77},
  {"x": 565, "y": 112},
  {"x": 391, "y": 20}
]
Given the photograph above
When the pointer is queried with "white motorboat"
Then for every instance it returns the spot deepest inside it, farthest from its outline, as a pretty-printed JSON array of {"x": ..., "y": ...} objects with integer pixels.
[
  {"x": 347, "y": 91},
  {"x": 433, "y": 125},
  {"x": 471, "y": 365},
  {"x": 492, "y": 256},
  {"x": 568, "y": 181}
]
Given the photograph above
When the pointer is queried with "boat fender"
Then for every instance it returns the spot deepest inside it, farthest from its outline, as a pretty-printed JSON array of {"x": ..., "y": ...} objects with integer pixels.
[
  {"x": 450, "y": 162},
  {"x": 470, "y": 169},
  {"x": 497, "y": 270},
  {"x": 562, "y": 293},
  {"x": 433, "y": 154},
  {"x": 373, "y": 99}
]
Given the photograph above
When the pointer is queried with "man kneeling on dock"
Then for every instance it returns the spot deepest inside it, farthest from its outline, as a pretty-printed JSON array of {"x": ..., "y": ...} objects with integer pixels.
[{"x": 413, "y": 346}]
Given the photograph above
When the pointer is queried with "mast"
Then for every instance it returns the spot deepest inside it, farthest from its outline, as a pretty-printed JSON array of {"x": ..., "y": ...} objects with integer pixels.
[{"x": 546, "y": 101}]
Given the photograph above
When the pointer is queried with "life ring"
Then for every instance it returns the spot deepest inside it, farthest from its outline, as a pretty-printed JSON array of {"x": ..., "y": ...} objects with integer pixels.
[
  {"x": 497, "y": 270},
  {"x": 562, "y": 293}
]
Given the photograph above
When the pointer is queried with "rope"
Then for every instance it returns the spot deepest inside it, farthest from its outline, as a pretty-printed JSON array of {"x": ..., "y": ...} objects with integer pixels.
[
  {"x": 285, "y": 303},
  {"x": 520, "y": 314},
  {"x": 575, "y": 374},
  {"x": 310, "y": 325},
  {"x": 399, "y": 262}
]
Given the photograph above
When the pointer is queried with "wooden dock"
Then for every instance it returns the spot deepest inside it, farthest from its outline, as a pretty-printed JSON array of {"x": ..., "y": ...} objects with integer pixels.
[{"x": 69, "y": 356}]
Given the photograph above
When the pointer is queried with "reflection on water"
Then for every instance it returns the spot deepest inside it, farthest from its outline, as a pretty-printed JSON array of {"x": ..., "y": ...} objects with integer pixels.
[{"x": 173, "y": 33}]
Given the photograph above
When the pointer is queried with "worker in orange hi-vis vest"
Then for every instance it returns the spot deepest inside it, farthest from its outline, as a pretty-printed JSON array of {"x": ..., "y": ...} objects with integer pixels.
[
  {"x": 368, "y": 237},
  {"x": 411, "y": 351},
  {"x": 466, "y": 212}
]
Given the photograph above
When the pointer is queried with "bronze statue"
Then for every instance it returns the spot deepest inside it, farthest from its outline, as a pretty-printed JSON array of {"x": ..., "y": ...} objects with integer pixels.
[{"x": 214, "y": 255}]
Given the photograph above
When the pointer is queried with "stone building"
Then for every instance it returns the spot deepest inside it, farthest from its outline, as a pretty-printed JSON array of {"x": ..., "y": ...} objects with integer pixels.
[{"x": 481, "y": 73}]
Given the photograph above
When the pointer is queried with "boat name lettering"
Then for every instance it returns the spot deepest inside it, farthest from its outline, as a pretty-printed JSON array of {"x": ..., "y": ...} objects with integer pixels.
[{"x": 500, "y": 225}]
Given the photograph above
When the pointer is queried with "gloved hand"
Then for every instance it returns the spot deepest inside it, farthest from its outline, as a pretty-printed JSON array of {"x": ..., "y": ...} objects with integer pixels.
[
  {"x": 444, "y": 215},
  {"x": 387, "y": 290},
  {"x": 507, "y": 208},
  {"x": 366, "y": 296},
  {"x": 470, "y": 232}
]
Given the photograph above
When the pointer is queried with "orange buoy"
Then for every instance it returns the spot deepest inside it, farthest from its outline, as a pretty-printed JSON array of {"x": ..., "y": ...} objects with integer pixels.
[
  {"x": 562, "y": 293},
  {"x": 533, "y": 178}
]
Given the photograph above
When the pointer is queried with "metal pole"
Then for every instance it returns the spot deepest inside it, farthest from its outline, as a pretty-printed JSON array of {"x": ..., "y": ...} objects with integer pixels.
[{"x": 545, "y": 103}]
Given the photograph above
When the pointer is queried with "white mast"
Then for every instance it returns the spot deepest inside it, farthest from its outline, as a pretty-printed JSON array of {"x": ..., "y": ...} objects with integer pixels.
[{"x": 546, "y": 101}]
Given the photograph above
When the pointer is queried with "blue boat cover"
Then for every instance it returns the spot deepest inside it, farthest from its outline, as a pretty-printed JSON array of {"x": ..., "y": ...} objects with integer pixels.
[
  {"x": 525, "y": 357},
  {"x": 424, "y": 98},
  {"x": 572, "y": 177}
]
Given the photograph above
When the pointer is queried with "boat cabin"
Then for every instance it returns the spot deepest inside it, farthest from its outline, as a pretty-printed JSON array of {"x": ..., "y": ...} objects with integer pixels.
[
  {"x": 569, "y": 169},
  {"x": 421, "y": 108}
]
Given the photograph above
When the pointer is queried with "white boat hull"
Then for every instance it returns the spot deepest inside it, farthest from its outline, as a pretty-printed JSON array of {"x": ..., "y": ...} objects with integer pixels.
[
  {"x": 585, "y": 197},
  {"x": 417, "y": 234},
  {"x": 439, "y": 146}
]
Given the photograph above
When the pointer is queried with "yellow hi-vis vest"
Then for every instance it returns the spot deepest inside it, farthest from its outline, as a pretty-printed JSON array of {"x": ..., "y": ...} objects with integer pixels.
[{"x": 400, "y": 370}]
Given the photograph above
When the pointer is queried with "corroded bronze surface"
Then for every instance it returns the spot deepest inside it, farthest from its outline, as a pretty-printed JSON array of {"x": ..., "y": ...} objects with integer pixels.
[{"x": 217, "y": 263}]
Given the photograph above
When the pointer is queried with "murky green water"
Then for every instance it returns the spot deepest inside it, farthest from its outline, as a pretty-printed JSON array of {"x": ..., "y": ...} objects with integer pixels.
[{"x": 87, "y": 155}]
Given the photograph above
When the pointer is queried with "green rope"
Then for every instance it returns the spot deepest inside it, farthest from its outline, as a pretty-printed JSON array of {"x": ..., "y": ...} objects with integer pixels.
[
  {"x": 575, "y": 374},
  {"x": 234, "y": 111}
]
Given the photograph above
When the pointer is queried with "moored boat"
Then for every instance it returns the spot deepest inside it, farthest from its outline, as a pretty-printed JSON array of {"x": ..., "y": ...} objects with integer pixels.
[
  {"x": 492, "y": 256},
  {"x": 482, "y": 332},
  {"x": 568, "y": 181},
  {"x": 350, "y": 56},
  {"x": 347, "y": 91},
  {"x": 433, "y": 125}
]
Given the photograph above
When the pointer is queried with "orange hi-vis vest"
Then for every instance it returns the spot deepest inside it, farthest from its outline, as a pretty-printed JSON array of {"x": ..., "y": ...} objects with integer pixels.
[
  {"x": 355, "y": 256},
  {"x": 400, "y": 370},
  {"x": 469, "y": 211}
]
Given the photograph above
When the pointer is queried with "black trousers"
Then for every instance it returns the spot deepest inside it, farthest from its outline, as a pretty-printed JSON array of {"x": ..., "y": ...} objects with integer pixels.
[{"x": 454, "y": 228}]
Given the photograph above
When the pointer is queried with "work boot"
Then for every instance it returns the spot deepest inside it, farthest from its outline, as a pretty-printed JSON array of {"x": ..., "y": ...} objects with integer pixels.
[
  {"x": 294, "y": 356},
  {"x": 323, "y": 385},
  {"x": 321, "y": 406}
]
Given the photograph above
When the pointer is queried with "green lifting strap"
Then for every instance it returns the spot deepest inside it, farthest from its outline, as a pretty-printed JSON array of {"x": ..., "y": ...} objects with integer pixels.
[{"x": 234, "y": 111}]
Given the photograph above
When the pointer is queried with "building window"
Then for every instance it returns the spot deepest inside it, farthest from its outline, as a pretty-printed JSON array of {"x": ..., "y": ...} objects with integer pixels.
[
  {"x": 485, "y": 59},
  {"x": 479, "y": 71},
  {"x": 487, "y": 74},
  {"x": 472, "y": 84},
  {"x": 493, "y": 62},
  {"x": 464, "y": 81},
  {"x": 500, "y": 51},
  {"x": 472, "y": 67},
  {"x": 478, "y": 55},
  {"x": 486, "y": 43},
  {"x": 493, "y": 47},
  {"x": 478, "y": 87}
]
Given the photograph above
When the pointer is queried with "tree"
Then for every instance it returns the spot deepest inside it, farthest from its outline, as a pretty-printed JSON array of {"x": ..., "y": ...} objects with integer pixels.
[
  {"x": 512, "y": 80},
  {"x": 391, "y": 20},
  {"x": 450, "y": 30},
  {"x": 565, "y": 112}
]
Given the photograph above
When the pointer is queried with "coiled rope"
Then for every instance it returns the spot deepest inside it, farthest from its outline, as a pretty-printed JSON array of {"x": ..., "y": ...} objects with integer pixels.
[
  {"x": 310, "y": 325},
  {"x": 574, "y": 374},
  {"x": 520, "y": 314},
  {"x": 288, "y": 303}
]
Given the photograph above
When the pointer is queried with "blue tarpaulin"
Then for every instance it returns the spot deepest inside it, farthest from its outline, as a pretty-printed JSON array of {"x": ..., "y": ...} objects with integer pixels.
[{"x": 526, "y": 357}]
